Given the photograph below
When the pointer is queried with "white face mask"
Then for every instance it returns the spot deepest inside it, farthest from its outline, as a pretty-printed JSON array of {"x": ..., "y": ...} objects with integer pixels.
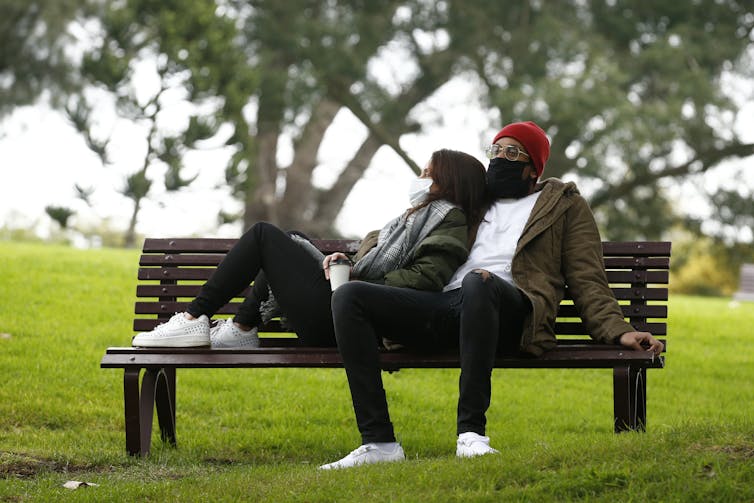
[{"x": 418, "y": 190}]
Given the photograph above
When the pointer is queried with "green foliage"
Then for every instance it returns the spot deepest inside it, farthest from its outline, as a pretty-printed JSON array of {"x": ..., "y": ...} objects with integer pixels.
[
  {"x": 704, "y": 266},
  {"x": 258, "y": 434},
  {"x": 631, "y": 93},
  {"x": 33, "y": 38},
  {"x": 60, "y": 215}
]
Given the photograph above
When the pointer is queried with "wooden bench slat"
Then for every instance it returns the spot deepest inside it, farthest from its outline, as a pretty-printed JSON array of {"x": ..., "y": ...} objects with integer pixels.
[
  {"x": 565, "y": 310},
  {"x": 577, "y": 328},
  {"x": 184, "y": 290},
  {"x": 636, "y": 248},
  {"x": 212, "y": 259},
  {"x": 638, "y": 277},
  {"x": 637, "y": 311},
  {"x": 603, "y": 357},
  {"x": 179, "y": 273},
  {"x": 219, "y": 245}
]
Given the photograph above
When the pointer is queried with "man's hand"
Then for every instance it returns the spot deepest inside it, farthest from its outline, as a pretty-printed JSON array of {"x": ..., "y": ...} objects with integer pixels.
[
  {"x": 641, "y": 341},
  {"x": 326, "y": 262}
]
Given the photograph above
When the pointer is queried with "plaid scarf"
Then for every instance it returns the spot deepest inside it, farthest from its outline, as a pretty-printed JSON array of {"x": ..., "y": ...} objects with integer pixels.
[{"x": 399, "y": 239}]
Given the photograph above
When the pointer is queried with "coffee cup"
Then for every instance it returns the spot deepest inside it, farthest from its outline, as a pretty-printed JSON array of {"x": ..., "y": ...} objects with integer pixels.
[{"x": 340, "y": 271}]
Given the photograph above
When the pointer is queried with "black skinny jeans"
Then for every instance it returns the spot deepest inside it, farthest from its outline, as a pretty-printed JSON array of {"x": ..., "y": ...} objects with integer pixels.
[
  {"x": 485, "y": 312},
  {"x": 268, "y": 255}
]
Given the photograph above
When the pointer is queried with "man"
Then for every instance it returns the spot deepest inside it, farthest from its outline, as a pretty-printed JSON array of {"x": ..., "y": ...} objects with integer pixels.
[{"x": 535, "y": 239}]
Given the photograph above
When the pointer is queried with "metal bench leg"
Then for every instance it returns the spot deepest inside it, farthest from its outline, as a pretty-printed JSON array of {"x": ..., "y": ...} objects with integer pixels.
[
  {"x": 131, "y": 403},
  {"x": 165, "y": 404},
  {"x": 630, "y": 399}
]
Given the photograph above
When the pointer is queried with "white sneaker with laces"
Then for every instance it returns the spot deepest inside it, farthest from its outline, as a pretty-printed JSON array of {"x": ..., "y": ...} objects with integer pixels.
[
  {"x": 368, "y": 454},
  {"x": 177, "y": 332},
  {"x": 226, "y": 334},
  {"x": 472, "y": 444}
]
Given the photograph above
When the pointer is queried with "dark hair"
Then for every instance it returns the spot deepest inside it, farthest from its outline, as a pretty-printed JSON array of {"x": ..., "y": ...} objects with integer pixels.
[{"x": 461, "y": 179}]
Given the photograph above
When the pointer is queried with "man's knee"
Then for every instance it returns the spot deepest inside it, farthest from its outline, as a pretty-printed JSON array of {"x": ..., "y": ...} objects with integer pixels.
[{"x": 476, "y": 280}]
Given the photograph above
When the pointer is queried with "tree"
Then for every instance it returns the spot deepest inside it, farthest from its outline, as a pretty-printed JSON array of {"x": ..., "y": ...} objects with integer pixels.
[
  {"x": 59, "y": 214},
  {"x": 139, "y": 33},
  {"x": 34, "y": 35},
  {"x": 631, "y": 92}
]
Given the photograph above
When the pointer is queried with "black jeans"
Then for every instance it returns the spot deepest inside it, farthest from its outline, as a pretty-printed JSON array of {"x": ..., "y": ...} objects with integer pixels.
[
  {"x": 492, "y": 317},
  {"x": 365, "y": 312},
  {"x": 268, "y": 255},
  {"x": 476, "y": 316}
]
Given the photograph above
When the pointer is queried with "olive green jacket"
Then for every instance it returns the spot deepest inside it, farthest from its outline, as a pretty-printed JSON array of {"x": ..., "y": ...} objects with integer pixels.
[
  {"x": 560, "y": 246},
  {"x": 436, "y": 258}
]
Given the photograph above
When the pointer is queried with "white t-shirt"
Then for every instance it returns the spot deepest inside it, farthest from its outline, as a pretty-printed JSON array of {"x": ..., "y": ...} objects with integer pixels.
[{"x": 496, "y": 239}]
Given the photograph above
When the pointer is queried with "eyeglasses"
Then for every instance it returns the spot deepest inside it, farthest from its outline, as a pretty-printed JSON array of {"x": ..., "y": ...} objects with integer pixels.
[{"x": 510, "y": 152}]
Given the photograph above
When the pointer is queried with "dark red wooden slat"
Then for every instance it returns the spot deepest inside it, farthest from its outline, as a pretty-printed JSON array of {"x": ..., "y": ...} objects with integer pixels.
[
  {"x": 577, "y": 328},
  {"x": 654, "y": 277},
  {"x": 640, "y": 311},
  {"x": 641, "y": 293},
  {"x": 176, "y": 307},
  {"x": 637, "y": 262},
  {"x": 173, "y": 273},
  {"x": 636, "y": 248},
  {"x": 220, "y": 245},
  {"x": 557, "y": 358},
  {"x": 184, "y": 245},
  {"x": 168, "y": 290},
  {"x": 181, "y": 259},
  {"x": 146, "y": 324},
  {"x": 179, "y": 273}
]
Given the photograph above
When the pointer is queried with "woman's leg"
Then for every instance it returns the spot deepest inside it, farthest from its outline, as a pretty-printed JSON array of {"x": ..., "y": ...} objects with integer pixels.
[
  {"x": 364, "y": 312},
  {"x": 492, "y": 316},
  {"x": 248, "y": 314},
  {"x": 294, "y": 275}
]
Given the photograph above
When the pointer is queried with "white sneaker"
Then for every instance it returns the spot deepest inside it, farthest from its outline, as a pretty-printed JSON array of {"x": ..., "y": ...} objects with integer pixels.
[
  {"x": 178, "y": 332},
  {"x": 368, "y": 454},
  {"x": 472, "y": 444},
  {"x": 226, "y": 334}
]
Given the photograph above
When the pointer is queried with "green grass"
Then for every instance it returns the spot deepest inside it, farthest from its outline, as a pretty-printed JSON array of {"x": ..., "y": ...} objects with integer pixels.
[{"x": 259, "y": 434}]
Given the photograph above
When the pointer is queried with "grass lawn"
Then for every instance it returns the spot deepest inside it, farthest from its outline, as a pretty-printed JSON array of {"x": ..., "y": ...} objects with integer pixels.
[{"x": 259, "y": 434}]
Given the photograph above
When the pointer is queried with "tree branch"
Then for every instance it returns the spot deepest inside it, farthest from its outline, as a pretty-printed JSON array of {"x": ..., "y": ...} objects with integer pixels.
[{"x": 708, "y": 159}]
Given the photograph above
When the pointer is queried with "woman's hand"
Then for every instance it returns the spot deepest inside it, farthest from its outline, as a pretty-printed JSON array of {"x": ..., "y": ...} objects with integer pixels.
[
  {"x": 326, "y": 262},
  {"x": 641, "y": 340}
]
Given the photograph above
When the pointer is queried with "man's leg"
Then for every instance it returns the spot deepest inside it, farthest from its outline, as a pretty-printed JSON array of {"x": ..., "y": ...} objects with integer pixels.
[
  {"x": 492, "y": 314},
  {"x": 362, "y": 312}
]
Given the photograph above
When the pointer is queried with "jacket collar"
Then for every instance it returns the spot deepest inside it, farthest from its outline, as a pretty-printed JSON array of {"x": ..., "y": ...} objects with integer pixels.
[{"x": 550, "y": 205}]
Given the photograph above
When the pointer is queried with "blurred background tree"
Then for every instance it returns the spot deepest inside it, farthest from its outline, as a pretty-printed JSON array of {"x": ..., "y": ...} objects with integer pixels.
[
  {"x": 34, "y": 50},
  {"x": 639, "y": 98}
]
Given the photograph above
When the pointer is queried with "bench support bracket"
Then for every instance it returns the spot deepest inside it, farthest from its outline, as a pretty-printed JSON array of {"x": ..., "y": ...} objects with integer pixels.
[
  {"x": 157, "y": 391},
  {"x": 630, "y": 398}
]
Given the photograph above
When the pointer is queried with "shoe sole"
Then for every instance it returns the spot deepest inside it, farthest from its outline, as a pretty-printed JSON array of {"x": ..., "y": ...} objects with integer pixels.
[{"x": 183, "y": 341}]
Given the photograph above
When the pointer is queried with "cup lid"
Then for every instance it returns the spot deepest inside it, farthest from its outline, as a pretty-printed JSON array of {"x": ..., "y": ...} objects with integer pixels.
[{"x": 340, "y": 261}]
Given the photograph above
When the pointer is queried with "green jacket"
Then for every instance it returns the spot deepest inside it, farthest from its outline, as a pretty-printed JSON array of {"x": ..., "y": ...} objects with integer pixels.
[
  {"x": 561, "y": 245},
  {"x": 436, "y": 258}
]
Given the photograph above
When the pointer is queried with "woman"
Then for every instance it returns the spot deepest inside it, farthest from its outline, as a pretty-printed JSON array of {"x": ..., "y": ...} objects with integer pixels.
[{"x": 419, "y": 249}]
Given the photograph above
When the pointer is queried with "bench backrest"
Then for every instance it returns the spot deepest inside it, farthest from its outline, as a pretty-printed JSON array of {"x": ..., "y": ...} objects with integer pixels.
[
  {"x": 747, "y": 278},
  {"x": 171, "y": 271}
]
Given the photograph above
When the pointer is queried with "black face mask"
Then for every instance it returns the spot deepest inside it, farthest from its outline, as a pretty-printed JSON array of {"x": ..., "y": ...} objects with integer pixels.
[{"x": 504, "y": 179}]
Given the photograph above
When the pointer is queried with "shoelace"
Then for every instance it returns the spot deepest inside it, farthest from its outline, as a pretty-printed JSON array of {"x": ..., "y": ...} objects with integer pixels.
[{"x": 362, "y": 449}]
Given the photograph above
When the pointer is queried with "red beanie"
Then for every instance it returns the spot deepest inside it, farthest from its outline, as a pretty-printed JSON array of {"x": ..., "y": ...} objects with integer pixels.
[{"x": 534, "y": 140}]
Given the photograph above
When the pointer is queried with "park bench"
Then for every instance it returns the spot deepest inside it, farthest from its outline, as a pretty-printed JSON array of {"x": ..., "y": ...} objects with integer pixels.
[
  {"x": 171, "y": 271},
  {"x": 746, "y": 287}
]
